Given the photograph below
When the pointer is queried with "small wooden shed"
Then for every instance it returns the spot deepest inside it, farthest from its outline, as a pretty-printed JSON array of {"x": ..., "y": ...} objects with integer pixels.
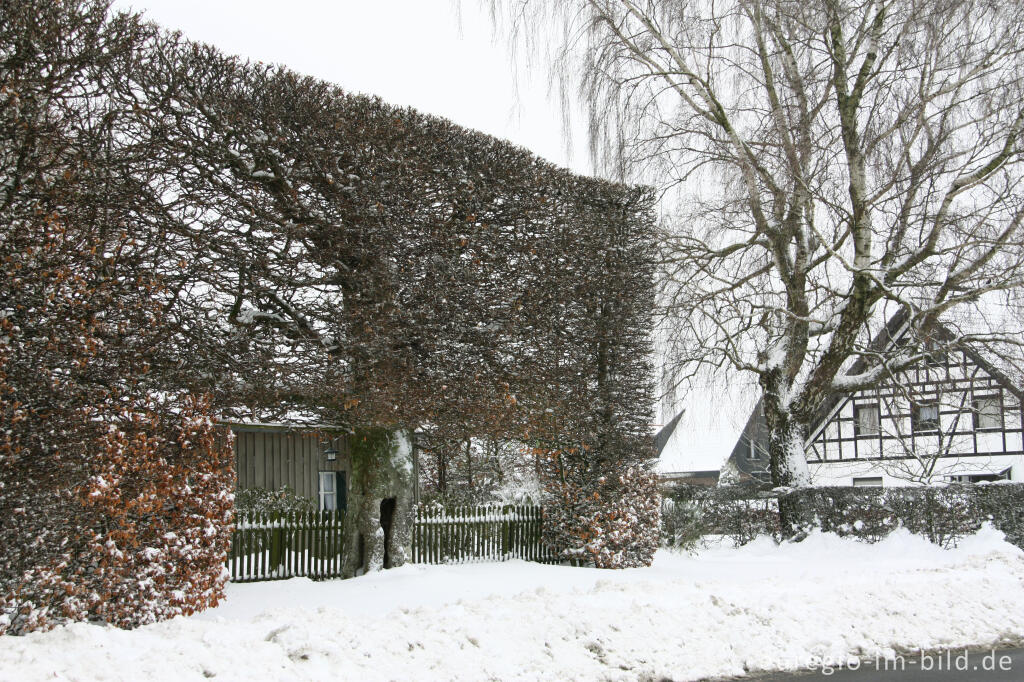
[
  {"x": 371, "y": 474},
  {"x": 270, "y": 456}
]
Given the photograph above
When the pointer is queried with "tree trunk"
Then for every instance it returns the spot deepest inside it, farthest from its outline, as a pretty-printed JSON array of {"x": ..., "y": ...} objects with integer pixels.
[
  {"x": 789, "y": 469},
  {"x": 442, "y": 472},
  {"x": 787, "y": 458},
  {"x": 381, "y": 469},
  {"x": 786, "y": 452}
]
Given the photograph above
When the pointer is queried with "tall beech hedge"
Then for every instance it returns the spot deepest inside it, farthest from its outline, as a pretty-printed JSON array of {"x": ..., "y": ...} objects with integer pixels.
[{"x": 184, "y": 232}]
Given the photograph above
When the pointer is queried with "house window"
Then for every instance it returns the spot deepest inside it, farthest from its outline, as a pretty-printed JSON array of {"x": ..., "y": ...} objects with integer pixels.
[
  {"x": 981, "y": 478},
  {"x": 333, "y": 492},
  {"x": 925, "y": 417},
  {"x": 865, "y": 420},
  {"x": 868, "y": 482},
  {"x": 755, "y": 450},
  {"x": 936, "y": 354},
  {"x": 988, "y": 412}
]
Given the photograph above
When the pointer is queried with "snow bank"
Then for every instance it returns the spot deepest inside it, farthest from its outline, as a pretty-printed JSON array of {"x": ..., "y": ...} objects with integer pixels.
[{"x": 722, "y": 612}]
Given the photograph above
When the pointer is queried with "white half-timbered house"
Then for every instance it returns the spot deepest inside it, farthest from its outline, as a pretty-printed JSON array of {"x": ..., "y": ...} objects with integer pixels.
[{"x": 955, "y": 417}]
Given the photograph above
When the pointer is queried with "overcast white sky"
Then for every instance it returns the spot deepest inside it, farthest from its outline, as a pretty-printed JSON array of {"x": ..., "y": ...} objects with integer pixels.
[{"x": 409, "y": 52}]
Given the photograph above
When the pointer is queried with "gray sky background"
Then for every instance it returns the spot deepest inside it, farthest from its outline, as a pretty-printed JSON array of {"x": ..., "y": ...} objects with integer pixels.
[{"x": 439, "y": 56}]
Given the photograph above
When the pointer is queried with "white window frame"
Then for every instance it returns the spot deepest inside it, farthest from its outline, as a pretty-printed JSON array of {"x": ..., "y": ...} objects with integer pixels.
[
  {"x": 329, "y": 492},
  {"x": 868, "y": 482},
  {"x": 990, "y": 419},
  {"x": 917, "y": 418},
  {"x": 1004, "y": 475},
  {"x": 754, "y": 452},
  {"x": 858, "y": 410}
]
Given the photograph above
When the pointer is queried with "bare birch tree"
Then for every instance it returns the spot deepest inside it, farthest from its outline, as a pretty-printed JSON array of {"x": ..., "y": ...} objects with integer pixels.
[{"x": 824, "y": 164}]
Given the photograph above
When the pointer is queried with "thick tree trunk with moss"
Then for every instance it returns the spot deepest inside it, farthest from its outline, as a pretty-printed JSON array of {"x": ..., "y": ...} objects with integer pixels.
[
  {"x": 787, "y": 433},
  {"x": 789, "y": 470},
  {"x": 382, "y": 480}
]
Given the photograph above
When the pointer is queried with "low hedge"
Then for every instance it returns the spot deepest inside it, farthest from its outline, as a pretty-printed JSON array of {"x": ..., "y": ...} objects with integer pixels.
[
  {"x": 273, "y": 502},
  {"x": 942, "y": 514},
  {"x": 740, "y": 512}
]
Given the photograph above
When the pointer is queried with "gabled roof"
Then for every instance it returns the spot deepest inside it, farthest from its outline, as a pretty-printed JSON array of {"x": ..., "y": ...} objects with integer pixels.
[
  {"x": 661, "y": 438},
  {"x": 696, "y": 440},
  {"x": 890, "y": 334},
  {"x": 252, "y": 425},
  {"x": 687, "y": 444}
]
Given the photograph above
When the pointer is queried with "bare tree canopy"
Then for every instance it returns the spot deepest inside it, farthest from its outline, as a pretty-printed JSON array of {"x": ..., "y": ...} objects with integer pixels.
[{"x": 824, "y": 166}]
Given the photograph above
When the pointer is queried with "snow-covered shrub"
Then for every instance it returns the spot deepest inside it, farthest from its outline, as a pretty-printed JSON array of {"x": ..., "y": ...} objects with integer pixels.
[
  {"x": 740, "y": 512},
  {"x": 943, "y": 514},
  {"x": 680, "y": 524},
  {"x": 161, "y": 499},
  {"x": 607, "y": 521},
  {"x": 282, "y": 501},
  {"x": 141, "y": 539},
  {"x": 116, "y": 496},
  {"x": 524, "y": 489}
]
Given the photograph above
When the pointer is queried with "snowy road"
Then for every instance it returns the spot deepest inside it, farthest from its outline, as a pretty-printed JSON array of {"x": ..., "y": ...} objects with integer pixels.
[{"x": 725, "y": 612}]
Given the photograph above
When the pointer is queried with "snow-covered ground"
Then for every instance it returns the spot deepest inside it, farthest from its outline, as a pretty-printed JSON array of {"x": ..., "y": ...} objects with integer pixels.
[{"x": 723, "y": 612}]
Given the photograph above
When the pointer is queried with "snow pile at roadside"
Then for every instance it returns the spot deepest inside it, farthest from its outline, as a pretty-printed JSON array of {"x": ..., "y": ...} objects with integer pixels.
[{"x": 723, "y": 612}]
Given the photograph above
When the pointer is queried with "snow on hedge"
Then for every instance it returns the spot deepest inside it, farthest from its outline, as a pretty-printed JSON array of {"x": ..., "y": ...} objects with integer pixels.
[{"x": 723, "y": 612}]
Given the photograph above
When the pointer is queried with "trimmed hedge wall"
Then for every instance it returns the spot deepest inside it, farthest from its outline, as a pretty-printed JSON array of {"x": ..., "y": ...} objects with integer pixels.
[{"x": 942, "y": 514}]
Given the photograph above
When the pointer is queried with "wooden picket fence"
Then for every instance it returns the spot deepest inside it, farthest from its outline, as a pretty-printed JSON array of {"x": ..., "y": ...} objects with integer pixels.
[
  {"x": 275, "y": 547},
  {"x": 479, "y": 533},
  {"x": 311, "y": 544}
]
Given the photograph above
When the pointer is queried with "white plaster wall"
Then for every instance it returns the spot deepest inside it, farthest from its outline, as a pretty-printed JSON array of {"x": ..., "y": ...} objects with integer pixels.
[{"x": 901, "y": 473}]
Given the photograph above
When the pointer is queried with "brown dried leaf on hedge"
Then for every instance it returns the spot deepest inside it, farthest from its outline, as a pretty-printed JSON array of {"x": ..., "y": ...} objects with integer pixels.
[{"x": 116, "y": 498}]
